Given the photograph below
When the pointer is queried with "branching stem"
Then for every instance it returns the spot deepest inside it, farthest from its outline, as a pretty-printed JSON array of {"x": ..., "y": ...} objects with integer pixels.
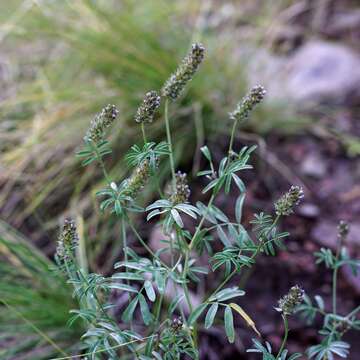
[
  {"x": 168, "y": 135},
  {"x": 257, "y": 251},
  {"x": 143, "y": 132},
  {"x": 286, "y": 333},
  {"x": 335, "y": 274}
]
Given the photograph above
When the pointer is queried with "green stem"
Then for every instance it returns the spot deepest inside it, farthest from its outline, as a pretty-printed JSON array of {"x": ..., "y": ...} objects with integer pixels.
[
  {"x": 184, "y": 285},
  {"x": 143, "y": 243},
  {"x": 168, "y": 135},
  {"x": 334, "y": 288},
  {"x": 158, "y": 310},
  {"x": 143, "y": 132},
  {"x": 191, "y": 244},
  {"x": 286, "y": 333},
  {"x": 187, "y": 297},
  {"x": 257, "y": 251},
  {"x": 106, "y": 349},
  {"x": 123, "y": 233},
  {"x": 171, "y": 242},
  {"x": 335, "y": 273},
  {"x": 198, "y": 229},
  {"x": 231, "y": 143},
  {"x": 200, "y": 136},
  {"x": 213, "y": 194},
  {"x": 354, "y": 312},
  {"x": 84, "y": 280},
  {"x": 124, "y": 238},
  {"x": 101, "y": 162},
  {"x": 108, "y": 180},
  {"x": 107, "y": 177}
]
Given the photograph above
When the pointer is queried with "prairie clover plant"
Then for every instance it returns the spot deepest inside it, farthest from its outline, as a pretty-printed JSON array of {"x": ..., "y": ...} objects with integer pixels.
[
  {"x": 334, "y": 325},
  {"x": 154, "y": 324},
  {"x": 287, "y": 306}
]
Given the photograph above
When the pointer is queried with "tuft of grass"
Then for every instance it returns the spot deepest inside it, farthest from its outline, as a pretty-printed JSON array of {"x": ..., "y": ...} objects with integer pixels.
[
  {"x": 34, "y": 302},
  {"x": 96, "y": 52}
]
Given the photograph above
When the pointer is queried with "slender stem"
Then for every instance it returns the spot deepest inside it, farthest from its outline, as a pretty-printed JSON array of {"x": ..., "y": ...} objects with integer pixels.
[
  {"x": 186, "y": 292},
  {"x": 184, "y": 284},
  {"x": 354, "y": 312},
  {"x": 108, "y": 180},
  {"x": 286, "y": 333},
  {"x": 124, "y": 239},
  {"x": 168, "y": 135},
  {"x": 171, "y": 242},
  {"x": 143, "y": 243},
  {"x": 101, "y": 307},
  {"x": 36, "y": 329},
  {"x": 191, "y": 244},
  {"x": 200, "y": 136},
  {"x": 187, "y": 297},
  {"x": 225, "y": 281},
  {"x": 123, "y": 232},
  {"x": 198, "y": 229},
  {"x": 231, "y": 143},
  {"x": 101, "y": 162},
  {"x": 335, "y": 273},
  {"x": 107, "y": 177},
  {"x": 85, "y": 280},
  {"x": 221, "y": 225},
  {"x": 106, "y": 349},
  {"x": 257, "y": 251},
  {"x": 143, "y": 132},
  {"x": 158, "y": 309},
  {"x": 334, "y": 288}
]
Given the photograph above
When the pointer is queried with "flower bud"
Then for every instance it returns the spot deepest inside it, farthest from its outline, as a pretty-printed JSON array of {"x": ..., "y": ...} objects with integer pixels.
[
  {"x": 68, "y": 240},
  {"x": 176, "y": 324},
  {"x": 248, "y": 103},
  {"x": 289, "y": 302},
  {"x": 285, "y": 205},
  {"x": 182, "y": 191},
  {"x": 100, "y": 123},
  {"x": 184, "y": 73},
  {"x": 343, "y": 229},
  {"x": 146, "y": 111},
  {"x": 137, "y": 180}
]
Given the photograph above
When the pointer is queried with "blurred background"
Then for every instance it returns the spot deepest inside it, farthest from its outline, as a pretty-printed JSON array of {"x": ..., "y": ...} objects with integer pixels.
[{"x": 62, "y": 61}]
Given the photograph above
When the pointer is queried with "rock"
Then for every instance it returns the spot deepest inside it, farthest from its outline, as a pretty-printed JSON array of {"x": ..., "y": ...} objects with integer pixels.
[
  {"x": 319, "y": 72},
  {"x": 313, "y": 165},
  {"x": 309, "y": 210},
  {"x": 323, "y": 72},
  {"x": 325, "y": 233}
]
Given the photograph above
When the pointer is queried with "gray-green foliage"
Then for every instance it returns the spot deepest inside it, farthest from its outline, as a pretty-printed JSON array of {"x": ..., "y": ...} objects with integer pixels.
[
  {"x": 150, "y": 327},
  {"x": 334, "y": 325}
]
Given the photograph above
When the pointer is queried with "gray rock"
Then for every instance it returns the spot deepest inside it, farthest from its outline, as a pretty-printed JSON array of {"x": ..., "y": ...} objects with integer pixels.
[
  {"x": 324, "y": 72},
  {"x": 309, "y": 210},
  {"x": 313, "y": 165},
  {"x": 319, "y": 72},
  {"x": 325, "y": 233}
]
